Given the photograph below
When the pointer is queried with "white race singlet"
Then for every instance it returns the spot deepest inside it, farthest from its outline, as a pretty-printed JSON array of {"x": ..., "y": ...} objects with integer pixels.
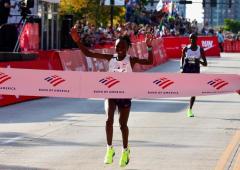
[
  {"x": 191, "y": 55},
  {"x": 120, "y": 66}
]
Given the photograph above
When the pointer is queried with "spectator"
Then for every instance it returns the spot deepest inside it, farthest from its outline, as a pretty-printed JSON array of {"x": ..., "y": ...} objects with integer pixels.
[
  {"x": 5, "y": 7},
  {"x": 158, "y": 24},
  {"x": 211, "y": 31},
  {"x": 220, "y": 40},
  {"x": 204, "y": 31}
]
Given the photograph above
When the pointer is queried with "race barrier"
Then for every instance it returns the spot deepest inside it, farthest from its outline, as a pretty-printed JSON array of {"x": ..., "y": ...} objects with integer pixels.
[
  {"x": 30, "y": 39},
  {"x": 231, "y": 46},
  {"x": 72, "y": 84},
  {"x": 175, "y": 45},
  {"x": 46, "y": 60},
  {"x": 75, "y": 60}
]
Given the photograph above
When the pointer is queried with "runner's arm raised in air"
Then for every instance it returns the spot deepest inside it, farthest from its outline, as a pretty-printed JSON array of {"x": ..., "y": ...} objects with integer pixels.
[
  {"x": 204, "y": 62},
  {"x": 87, "y": 52},
  {"x": 148, "y": 61}
]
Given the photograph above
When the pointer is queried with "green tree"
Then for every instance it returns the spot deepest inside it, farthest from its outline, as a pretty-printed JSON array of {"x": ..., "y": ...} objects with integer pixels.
[
  {"x": 232, "y": 25},
  {"x": 92, "y": 11}
]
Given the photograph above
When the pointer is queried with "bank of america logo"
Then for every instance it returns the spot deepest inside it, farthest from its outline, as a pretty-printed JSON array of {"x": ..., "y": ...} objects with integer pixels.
[
  {"x": 218, "y": 83},
  {"x": 109, "y": 81},
  {"x": 54, "y": 80},
  {"x": 163, "y": 82},
  {"x": 4, "y": 77}
]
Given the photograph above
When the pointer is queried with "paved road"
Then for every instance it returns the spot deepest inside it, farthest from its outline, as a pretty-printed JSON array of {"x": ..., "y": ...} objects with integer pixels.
[{"x": 57, "y": 133}]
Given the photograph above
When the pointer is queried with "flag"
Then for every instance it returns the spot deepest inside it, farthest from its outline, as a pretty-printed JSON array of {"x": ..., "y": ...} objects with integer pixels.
[
  {"x": 159, "y": 5},
  {"x": 167, "y": 6}
]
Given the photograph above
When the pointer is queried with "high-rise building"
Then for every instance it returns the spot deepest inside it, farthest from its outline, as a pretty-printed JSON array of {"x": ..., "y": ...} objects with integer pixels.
[
  {"x": 181, "y": 8},
  {"x": 215, "y": 15}
]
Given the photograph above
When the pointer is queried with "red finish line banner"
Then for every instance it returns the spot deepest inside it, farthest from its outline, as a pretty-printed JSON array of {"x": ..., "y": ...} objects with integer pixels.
[{"x": 72, "y": 84}]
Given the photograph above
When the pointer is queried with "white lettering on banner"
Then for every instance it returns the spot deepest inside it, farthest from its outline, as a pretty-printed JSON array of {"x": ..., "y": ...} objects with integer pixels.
[
  {"x": 73, "y": 84},
  {"x": 207, "y": 45}
]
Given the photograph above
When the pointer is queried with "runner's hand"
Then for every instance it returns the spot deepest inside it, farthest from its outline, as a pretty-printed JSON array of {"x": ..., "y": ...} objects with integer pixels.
[{"x": 74, "y": 34}]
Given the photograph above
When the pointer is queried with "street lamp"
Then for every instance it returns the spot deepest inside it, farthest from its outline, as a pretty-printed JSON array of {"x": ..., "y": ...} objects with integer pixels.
[{"x": 112, "y": 12}]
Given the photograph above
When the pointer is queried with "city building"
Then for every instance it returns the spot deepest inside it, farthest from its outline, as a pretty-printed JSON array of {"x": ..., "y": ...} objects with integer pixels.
[{"x": 215, "y": 15}]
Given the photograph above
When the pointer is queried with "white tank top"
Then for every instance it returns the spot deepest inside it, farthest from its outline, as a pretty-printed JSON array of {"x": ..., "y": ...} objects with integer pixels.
[
  {"x": 193, "y": 54},
  {"x": 120, "y": 66}
]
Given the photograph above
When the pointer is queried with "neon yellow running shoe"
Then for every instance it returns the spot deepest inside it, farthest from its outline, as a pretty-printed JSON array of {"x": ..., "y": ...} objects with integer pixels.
[
  {"x": 109, "y": 155},
  {"x": 189, "y": 113},
  {"x": 124, "y": 160}
]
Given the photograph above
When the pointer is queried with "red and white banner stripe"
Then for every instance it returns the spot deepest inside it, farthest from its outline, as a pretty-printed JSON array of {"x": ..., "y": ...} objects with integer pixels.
[{"x": 75, "y": 84}]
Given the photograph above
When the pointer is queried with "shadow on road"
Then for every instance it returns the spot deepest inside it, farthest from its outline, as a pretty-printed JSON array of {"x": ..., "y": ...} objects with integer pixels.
[
  {"x": 15, "y": 167},
  {"x": 58, "y": 109},
  {"x": 28, "y": 140}
]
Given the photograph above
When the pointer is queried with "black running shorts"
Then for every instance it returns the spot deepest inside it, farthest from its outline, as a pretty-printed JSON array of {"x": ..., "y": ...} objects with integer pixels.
[{"x": 123, "y": 103}]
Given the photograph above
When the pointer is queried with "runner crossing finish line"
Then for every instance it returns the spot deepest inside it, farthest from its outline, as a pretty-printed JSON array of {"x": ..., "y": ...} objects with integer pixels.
[{"x": 71, "y": 84}]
